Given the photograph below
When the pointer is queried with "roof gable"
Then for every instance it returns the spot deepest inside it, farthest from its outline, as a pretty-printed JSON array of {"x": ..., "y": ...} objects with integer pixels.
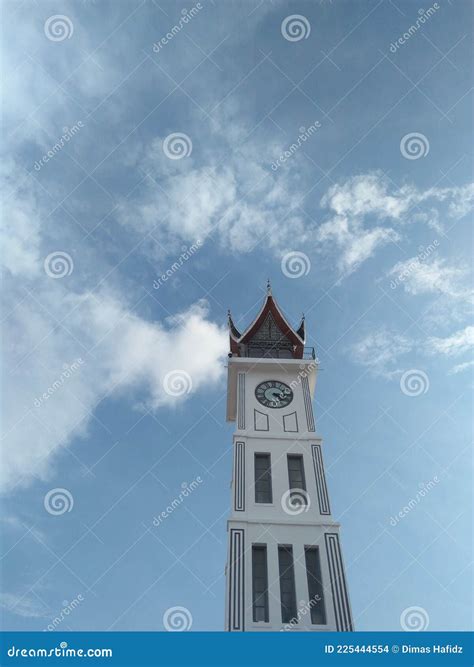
[{"x": 270, "y": 326}]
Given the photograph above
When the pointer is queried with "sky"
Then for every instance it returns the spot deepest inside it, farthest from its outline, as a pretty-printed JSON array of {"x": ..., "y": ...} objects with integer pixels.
[{"x": 149, "y": 183}]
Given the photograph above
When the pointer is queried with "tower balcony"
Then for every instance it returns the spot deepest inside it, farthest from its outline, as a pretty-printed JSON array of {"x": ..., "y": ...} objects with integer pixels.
[{"x": 274, "y": 351}]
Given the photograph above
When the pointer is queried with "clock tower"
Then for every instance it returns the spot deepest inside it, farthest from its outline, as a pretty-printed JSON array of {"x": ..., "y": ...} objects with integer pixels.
[{"x": 284, "y": 564}]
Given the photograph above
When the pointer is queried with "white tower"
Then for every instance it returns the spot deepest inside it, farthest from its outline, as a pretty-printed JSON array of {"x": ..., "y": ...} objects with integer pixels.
[{"x": 284, "y": 565}]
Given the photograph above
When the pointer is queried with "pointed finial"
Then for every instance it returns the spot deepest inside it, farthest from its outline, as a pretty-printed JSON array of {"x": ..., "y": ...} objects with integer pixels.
[
  {"x": 302, "y": 317},
  {"x": 269, "y": 287}
]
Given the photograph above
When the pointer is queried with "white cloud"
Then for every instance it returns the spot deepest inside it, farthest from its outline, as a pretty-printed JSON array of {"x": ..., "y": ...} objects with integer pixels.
[
  {"x": 369, "y": 212},
  {"x": 355, "y": 243},
  {"x": 367, "y": 194},
  {"x": 23, "y": 605},
  {"x": 48, "y": 326},
  {"x": 380, "y": 350},
  {"x": 458, "y": 343},
  {"x": 123, "y": 352},
  {"x": 374, "y": 194},
  {"x": 240, "y": 201},
  {"x": 431, "y": 276},
  {"x": 19, "y": 224},
  {"x": 459, "y": 368}
]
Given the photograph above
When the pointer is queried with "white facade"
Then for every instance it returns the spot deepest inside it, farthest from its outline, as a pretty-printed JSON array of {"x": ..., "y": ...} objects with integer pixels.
[{"x": 279, "y": 432}]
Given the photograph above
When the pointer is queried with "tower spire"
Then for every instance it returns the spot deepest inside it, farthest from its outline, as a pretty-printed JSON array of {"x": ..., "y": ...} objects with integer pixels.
[{"x": 269, "y": 287}]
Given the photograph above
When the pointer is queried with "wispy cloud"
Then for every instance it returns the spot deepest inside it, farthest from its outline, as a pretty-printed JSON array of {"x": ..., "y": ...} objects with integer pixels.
[
  {"x": 49, "y": 324},
  {"x": 238, "y": 200},
  {"x": 23, "y": 605},
  {"x": 458, "y": 343},
  {"x": 460, "y": 368},
  {"x": 370, "y": 212},
  {"x": 434, "y": 276},
  {"x": 379, "y": 351}
]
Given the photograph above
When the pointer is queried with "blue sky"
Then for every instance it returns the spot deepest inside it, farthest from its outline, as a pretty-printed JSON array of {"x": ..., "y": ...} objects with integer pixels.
[{"x": 383, "y": 219}]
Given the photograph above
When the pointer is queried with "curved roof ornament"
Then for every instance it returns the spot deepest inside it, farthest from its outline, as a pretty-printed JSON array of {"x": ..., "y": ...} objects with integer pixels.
[
  {"x": 234, "y": 332},
  {"x": 301, "y": 329},
  {"x": 240, "y": 341}
]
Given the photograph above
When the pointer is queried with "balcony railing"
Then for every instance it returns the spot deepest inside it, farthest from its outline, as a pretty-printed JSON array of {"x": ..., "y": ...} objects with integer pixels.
[{"x": 273, "y": 351}]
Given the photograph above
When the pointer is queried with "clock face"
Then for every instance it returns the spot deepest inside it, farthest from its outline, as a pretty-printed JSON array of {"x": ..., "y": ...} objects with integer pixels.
[{"x": 273, "y": 394}]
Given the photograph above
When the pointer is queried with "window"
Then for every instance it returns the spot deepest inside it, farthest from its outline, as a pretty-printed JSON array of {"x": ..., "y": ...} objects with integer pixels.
[
  {"x": 263, "y": 478},
  {"x": 296, "y": 478},
  {"x": 315, "y": 586},
  {"x": 287, "y": 585},
  {"x": 259, "y": 583}
]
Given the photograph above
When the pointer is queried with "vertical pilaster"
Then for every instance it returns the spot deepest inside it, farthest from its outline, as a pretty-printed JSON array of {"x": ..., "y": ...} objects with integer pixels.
[
  {"x": 236, "y": 580},
  {"x": 342, "y": 610}
]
